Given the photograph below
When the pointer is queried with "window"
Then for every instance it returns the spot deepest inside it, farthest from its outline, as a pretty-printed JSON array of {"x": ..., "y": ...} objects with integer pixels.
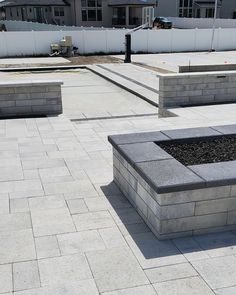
[
  {"x": 185, "y": 12},
  {"x": 99, "y": 15},
  {"x": 185, "y": 8},
  {"x": 59, "y": 11},
  {"x": 91, "y": 10},
  {"x": 210, "y": 12},
  {"x": 198, "y": 14},
  {"x": 118, "y": 16},
  {"x": 84, "y": 16},
  {"x": 92, "y": 15},
  {"x": 10, "y": 12},
  {"x": 91, "y": 3},
  {"x": 190, "y": 13}
]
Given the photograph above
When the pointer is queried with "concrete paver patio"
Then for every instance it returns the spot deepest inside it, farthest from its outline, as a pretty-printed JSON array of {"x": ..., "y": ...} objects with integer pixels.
[
  {"x": 172, "y": 61},
  {"x": 65, "y": 228}
]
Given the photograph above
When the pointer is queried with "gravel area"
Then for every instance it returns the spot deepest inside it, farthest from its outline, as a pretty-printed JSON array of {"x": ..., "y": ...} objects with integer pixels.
[{"x": 202, "y": 151}]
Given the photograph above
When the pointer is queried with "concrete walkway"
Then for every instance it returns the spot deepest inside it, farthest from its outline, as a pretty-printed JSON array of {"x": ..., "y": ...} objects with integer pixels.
[{"x": 131, "y": 78}]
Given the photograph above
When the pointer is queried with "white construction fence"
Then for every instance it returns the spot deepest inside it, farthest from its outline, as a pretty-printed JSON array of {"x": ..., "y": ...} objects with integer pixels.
[
  {"x": 178, "y": 22},
  {"x": 17, "y": 25},
  {"x": 113, "y": 41},
  {"x": 201, "y": 23}
]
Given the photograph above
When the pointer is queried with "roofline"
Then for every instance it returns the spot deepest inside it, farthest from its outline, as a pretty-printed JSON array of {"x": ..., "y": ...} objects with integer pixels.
[{"x": 204, "y": 3}]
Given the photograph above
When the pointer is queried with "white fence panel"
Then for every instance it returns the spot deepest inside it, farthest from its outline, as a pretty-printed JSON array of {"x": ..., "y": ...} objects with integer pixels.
[
  {"x": 3, "y": 45},
  {"x": 183, "y": 40},
  {"x": 159, "y": 40},
  {"x": 19, "y": 43},
  {"x": 178, "y": 22},
  {"x": 140, "y": 41},
  {"x": 43, "y": 40},
  {"x": 201, "y": 23},
  {"x": 95, "y": 41},
  {"x": 203, "y": 39},
  {"x": 111, "y": 41},
  {"x": 226, "y": 39},
  {"x": 15, "y": 25},
  {"x": 116, "y": 40}
]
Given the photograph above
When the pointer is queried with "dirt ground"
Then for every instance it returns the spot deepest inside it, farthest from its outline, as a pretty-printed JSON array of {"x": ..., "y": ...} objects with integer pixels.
[
  {"x": 77, "y": 60},
  {"x": 93, "y": 59}
]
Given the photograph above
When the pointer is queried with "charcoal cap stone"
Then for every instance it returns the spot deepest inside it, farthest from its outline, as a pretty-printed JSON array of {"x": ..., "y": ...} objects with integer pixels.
[
  {"x": 142, "y": 152},
  {"x": 137, "y": 137},
  {"x": 216, "y": 174},
  {"x": 226, "y": 129},
  {"x": 169, "y": 175},
  {"x": 191, "y": 133}
]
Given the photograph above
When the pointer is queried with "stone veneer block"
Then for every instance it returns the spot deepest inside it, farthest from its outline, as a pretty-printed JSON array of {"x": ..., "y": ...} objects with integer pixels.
[
  {"x": 175, "y": 200},
  {"x": 188, "y": 89}
]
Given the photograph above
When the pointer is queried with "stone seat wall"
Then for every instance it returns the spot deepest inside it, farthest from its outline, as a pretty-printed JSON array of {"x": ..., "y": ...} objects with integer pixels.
[{"x": 30, "y": 98}]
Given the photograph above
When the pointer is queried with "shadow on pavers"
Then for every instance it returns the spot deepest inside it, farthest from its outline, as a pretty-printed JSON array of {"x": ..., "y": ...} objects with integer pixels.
[{"x": 209, "y": 245}]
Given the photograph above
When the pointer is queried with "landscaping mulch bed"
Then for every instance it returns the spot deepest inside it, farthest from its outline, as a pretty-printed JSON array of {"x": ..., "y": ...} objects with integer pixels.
[{"x": 202, "y": 151}]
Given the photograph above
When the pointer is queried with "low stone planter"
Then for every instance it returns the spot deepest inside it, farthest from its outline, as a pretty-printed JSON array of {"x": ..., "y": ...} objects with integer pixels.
[{"x": 175, "y": 200}]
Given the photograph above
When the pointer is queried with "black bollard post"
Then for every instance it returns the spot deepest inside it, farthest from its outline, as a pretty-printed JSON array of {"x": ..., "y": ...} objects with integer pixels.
[{"x": 127, "y": 48}]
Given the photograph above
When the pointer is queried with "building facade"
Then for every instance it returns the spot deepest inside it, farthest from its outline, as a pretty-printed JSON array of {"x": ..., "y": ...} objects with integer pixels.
[
  {"x": 97, "y": 13},
  {"x": 52, "y": 11},
  {"x": 109, "y": 13},
  {"x": 196, "y": 8}
]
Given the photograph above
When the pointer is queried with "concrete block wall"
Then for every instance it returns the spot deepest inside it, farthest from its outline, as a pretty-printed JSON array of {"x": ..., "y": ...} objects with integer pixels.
[
  {"x": 176, "y": 214},
  {"x": 30, "y": 98},
  {"x": 176, "y": 90}
]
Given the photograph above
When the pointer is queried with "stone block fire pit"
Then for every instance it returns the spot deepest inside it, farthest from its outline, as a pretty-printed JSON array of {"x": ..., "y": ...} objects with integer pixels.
[{"x": 182, "y": 182}]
